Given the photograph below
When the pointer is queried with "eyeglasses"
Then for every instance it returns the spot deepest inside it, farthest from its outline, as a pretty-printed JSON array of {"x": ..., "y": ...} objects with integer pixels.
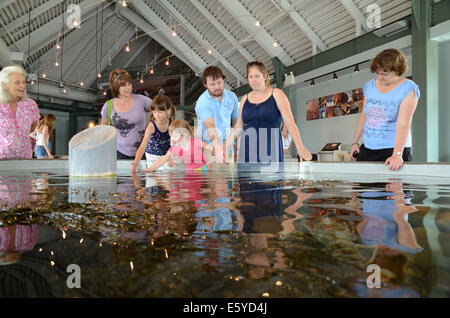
[
  {"x": 255, "y": 62},
  {"x": 384, "y": 75}
]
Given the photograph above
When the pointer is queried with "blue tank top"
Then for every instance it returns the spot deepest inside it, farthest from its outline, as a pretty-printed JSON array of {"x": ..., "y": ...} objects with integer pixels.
[
  {"x": 261, "y": 138},
  {"x": 381, "y": 227},
  {"x": 159, "y": 142},
  {"x": 381, "y": 112}
]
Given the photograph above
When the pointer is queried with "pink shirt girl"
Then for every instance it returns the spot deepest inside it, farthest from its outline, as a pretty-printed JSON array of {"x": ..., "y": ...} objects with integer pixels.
[
  {"x": 193, "y": 156},
  {"x": 15, "y": 129}
]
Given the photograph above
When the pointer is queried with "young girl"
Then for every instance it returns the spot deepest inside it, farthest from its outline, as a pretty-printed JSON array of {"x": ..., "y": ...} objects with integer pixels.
[
  {"x": 156, "y": 141},
  {"x": 189, "y": 149},
  {"x": 43, "y": 130}
]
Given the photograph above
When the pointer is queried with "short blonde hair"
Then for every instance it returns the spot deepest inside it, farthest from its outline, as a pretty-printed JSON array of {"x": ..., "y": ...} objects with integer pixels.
[
  {"x": 5, "y": 98},
  {"x": 184, "y": 125}
]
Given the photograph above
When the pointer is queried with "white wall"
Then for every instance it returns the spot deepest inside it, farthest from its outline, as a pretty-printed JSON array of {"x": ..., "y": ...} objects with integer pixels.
[
  {"x": 444, "y": 102},
  {"x": 317, "y": 133}
]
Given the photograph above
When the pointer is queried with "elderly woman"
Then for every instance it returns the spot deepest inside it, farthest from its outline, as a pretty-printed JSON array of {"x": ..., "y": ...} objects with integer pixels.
[
  {"x": 125, "y": 112},
  {"x": 389, "y": 104},
  {"x": 19, "y": 115}
]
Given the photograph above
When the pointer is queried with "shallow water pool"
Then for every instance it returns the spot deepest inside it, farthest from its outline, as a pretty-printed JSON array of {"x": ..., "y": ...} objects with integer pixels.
[{"x": 225, "y": 233}]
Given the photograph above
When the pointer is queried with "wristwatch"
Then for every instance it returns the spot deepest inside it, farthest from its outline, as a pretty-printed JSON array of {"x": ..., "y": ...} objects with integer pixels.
[{"x": 400, "y": 153}]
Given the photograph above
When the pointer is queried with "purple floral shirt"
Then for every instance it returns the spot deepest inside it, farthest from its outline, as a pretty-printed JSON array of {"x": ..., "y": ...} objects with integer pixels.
[{"x": 130, "y": 125}]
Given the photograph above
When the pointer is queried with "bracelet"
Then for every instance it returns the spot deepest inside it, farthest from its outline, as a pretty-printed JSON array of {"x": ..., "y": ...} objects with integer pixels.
[
  {"x": 355, "y": 143},
  {"x": 400, "y": 153}
]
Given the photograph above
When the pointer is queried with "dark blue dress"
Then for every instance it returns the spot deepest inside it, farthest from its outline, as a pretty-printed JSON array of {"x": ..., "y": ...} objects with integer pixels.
[{"x": 261, "y": 140}]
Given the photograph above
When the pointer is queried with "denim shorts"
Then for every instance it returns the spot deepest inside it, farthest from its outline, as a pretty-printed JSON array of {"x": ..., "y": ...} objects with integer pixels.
[{"x": 40, "y": 152}]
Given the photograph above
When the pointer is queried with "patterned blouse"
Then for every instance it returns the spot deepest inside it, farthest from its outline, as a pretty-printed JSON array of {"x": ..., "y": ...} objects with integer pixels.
[{"x": 15, "y": 129}]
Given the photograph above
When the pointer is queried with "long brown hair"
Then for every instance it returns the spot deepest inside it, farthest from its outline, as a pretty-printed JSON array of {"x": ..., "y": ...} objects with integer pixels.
[
  {"x": 47, "y": 120},
  {"x": 162, "y": 102}
]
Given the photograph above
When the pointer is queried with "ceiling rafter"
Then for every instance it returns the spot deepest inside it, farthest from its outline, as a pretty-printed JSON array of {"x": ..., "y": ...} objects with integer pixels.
[
  {"x": 360, "y": 19},
  {"x": 23, "y": 20},
  {"x": 204, "y": 10},
  {"x": 47, "y": 32},
  {"x": 200, "y": 38},
  {"x": 303, "y": 25},
  {"x": 160, "y": 33},
  {"x": 138, "y": 52},
  {"x": 112, "y": 52},
  {"x": 264, "y": 39}
]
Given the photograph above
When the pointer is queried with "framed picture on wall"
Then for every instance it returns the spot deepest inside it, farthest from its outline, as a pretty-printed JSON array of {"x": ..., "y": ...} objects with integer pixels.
[{"x": 339, "y": 104}]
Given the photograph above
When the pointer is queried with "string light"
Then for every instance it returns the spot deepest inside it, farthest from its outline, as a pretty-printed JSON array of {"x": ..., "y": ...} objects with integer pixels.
[
  {"x": 127, "y": 48},
  {"x": 258, "y": 23},
  {"x": 99, "y": 75},
  {"x": 141, "y": 81},
  {"x": 81, "y": 83},
  {"x": 174, "y": 32},
  {"x": 58, "y": 46},
  {"x": 167, "y": 62},
  {"x": 209, "y": 51},
  {"x": 275, "y": 44},
  {"x": 56, "y": 63},
  {"x": 44, "y": 75},
  {"x": 124, "y": 3},
  {"x": 152, "y": 71}
]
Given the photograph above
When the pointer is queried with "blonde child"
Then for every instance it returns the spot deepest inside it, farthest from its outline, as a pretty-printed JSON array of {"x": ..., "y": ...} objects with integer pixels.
[
  {"x": 43, "y": 131},
  {"x": 185, "y": 147},
  {"x": 156, "y": 141}
]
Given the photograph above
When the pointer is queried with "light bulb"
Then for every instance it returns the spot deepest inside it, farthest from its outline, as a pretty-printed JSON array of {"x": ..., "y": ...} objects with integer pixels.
[
  {"x": 209, "y": 51},
  {"x": 81, "y": 83},
  {"x": 275, "y": 44},
  {"x": 44, "y": 75},
  {"x": 124, "y": 3},
  {"x": 57, "y": 46},
  {"x": 56, "y": 63},
  {"x": 174, "y": 33},
  {"x": 99, "y": 75},
  {"x": 167, "y": 62},
  {"x": 257, "y": 23}
]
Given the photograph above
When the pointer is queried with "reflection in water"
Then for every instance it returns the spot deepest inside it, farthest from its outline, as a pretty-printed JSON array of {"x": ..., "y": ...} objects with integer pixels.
[
  {"x": 385, "y": 227},
  {"x": 215, "y": 234}
]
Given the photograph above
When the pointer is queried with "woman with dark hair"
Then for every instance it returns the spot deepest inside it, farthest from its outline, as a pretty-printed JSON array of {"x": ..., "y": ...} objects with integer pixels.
[
  {"x": 389, "y": 104},
  {"x": 126, "y": 112}
]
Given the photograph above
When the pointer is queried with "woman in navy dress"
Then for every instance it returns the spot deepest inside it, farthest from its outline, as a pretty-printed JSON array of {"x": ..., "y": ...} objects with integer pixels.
[{"x": 259, "y": 120}]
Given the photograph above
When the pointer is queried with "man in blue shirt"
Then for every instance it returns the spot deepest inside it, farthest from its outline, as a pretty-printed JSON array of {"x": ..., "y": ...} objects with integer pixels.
[{"x": 217, "y": 110}]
